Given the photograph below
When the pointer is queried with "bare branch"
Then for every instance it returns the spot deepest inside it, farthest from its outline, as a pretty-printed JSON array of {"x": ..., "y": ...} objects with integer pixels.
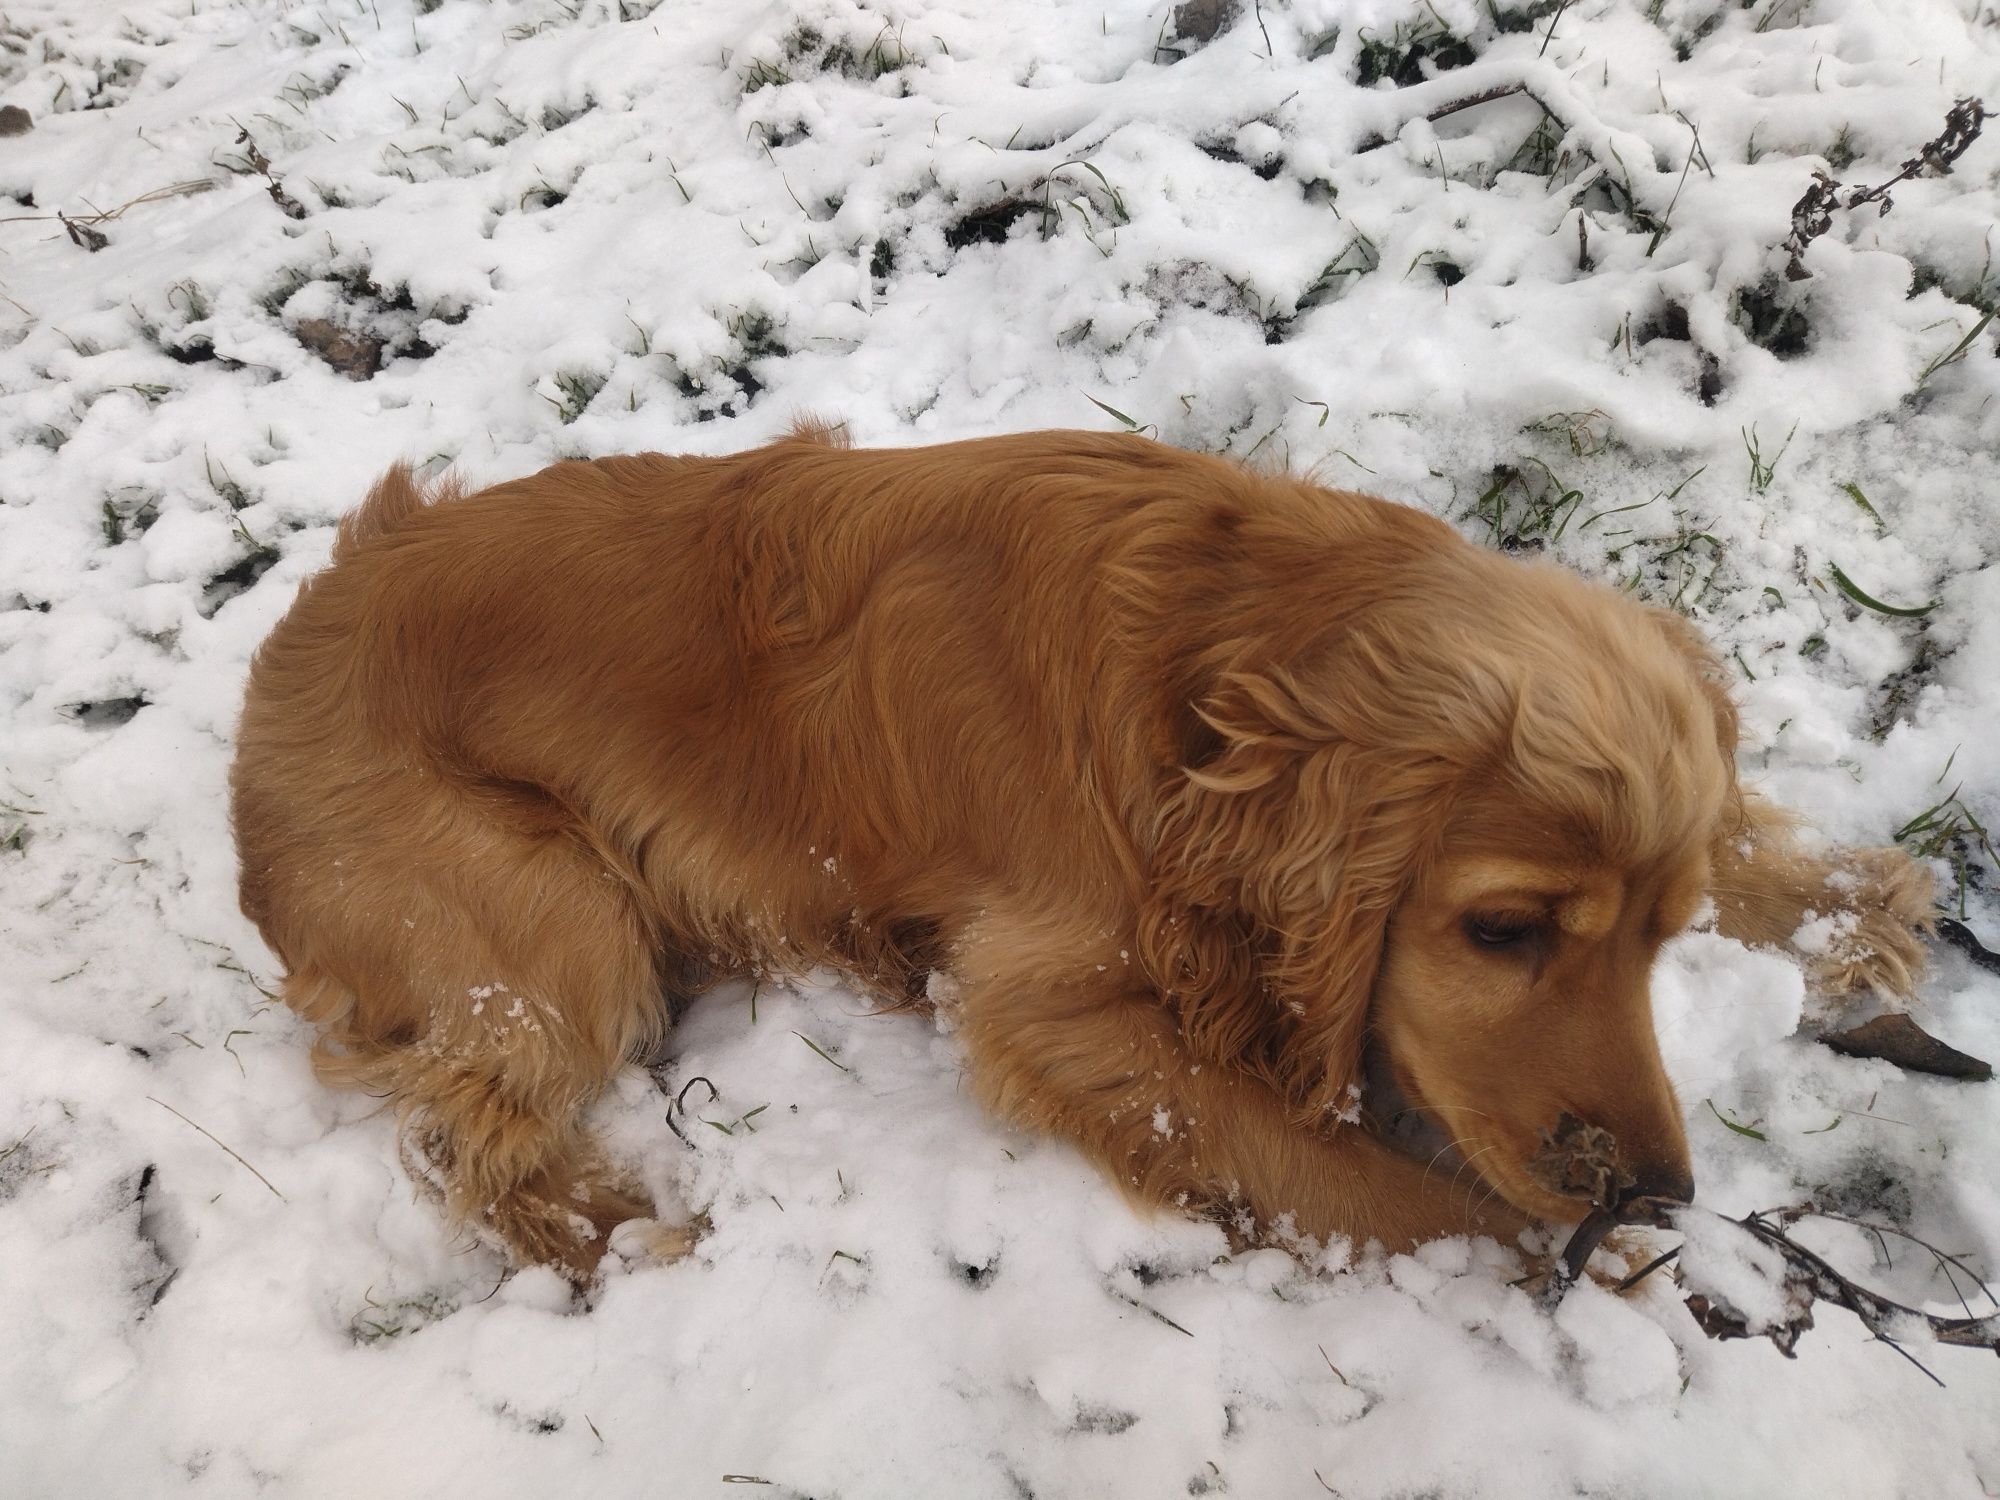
[{"x": 1812, "y": 215}]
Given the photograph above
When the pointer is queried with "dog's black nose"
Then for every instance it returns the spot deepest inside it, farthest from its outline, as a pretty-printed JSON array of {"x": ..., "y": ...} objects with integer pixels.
[{"x": 1656, "y": 1187}]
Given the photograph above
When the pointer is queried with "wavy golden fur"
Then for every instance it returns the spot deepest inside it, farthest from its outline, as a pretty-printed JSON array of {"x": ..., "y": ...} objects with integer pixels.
[{"x": 1211, "y": 790}]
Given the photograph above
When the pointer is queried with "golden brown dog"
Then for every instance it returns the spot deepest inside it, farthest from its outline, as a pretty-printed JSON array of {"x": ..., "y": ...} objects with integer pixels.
[{"x": 1197, "y": 782}]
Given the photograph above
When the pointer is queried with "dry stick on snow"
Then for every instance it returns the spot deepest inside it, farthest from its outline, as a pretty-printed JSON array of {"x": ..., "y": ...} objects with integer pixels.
[
  {"x": 1812, "y": 215},
  {"x": 1579, "y": 1160},
  {"x": 679, "y": 1101},
  {"x": 224, "y": 1145},
  {"x": 81, "y": 227},
  {"x": 82, "y": 234},
  {"x": 1582, "y": 1160},
  {"x": 1808, "y": 1278},
  {"x": 1550, "y": 35},
  {"x": 1639, "y": 215},
  {"x": 261, "y": 165}
]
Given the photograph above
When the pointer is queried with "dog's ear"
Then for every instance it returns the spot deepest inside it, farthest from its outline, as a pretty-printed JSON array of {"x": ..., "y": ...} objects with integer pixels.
[
  {"x": 1713, "y": 679},
  {"x": 1709, "y": 674},
  {"x": 1278, "y": 860}
]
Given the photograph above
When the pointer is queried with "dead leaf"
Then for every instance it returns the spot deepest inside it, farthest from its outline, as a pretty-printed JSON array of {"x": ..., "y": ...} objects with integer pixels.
[{"x": 1896, "y": 1038}]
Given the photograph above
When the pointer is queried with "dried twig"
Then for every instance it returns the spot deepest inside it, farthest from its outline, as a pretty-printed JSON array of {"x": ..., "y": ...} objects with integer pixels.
[
  {"x": 678, "y": 1102},
  {"x": 81, "y": 227},
  {"x": 1585, "y": 136},
  {"x": 1803, "y": 1277},
  {"x": 1744, "y": 1278},
  {"x": 261, "y": 165},
  {"x": 1812, "y": 215},
  {"x": 1550, "y": 35},
  {"x": 224, "y": 1145},
  {"x": 82, "y": 234},
  {"x": 1809, "y": 1278},
  {"x": 1580, "y": 1160}
]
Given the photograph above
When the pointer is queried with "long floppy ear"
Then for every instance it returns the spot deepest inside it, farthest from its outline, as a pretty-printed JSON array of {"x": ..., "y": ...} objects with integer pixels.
[
  {"x": 1709, "y": 674},
  {"x": 1741, "y": 810},
  {"x": 1277, "y": 864}
]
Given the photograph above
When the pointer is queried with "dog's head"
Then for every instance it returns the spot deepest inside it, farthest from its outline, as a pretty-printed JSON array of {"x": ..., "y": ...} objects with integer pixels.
[{"x": 1461, "y": 824}]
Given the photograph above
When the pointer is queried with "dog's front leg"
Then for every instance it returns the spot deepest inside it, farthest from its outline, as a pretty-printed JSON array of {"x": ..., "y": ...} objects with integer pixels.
[
  {"x": 1854, "y": 916},
  {"x": 1090, "y": 1054}
]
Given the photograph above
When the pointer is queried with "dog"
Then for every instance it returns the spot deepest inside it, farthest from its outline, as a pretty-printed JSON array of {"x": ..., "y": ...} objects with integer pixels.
[{"x": 1207, "y": 790}]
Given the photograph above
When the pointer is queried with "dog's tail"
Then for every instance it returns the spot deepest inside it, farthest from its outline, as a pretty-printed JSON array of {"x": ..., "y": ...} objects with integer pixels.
[{"x": 395, "y": 498}]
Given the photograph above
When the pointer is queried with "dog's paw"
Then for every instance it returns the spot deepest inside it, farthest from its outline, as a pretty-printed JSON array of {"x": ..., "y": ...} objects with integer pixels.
[
  {"x": 1873, "y": 938},
  {"x": 642, "y": 1242},
  {"x": 563, "y": 1220}
]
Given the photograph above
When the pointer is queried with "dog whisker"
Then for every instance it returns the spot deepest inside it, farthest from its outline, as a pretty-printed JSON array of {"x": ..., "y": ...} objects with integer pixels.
[
  {"x": 1424, "y": 1108},
  {"x": 1469, "y": 1161},
  {"x": 1449, "y": 1146}
]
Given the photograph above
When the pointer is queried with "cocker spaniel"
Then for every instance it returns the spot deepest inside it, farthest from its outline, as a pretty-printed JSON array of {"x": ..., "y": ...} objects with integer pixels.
[{"x": 1202, "y": 786}]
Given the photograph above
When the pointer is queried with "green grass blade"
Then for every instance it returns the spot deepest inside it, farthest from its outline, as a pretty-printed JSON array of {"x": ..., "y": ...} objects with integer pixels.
[
  {"x": 1113, "y": 411},
  {"x": 1853, "y": 492},
  {"x": 1755, "y": 1135},
  {"x": 1868, "y": 601}
]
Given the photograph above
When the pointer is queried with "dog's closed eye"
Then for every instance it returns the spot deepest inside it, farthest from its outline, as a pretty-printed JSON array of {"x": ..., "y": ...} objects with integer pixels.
[{"x": 1503, "y": 931}]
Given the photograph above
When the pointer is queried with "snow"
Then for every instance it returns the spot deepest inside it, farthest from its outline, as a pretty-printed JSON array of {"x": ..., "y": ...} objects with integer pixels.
[{"x": 589, "y": 227}]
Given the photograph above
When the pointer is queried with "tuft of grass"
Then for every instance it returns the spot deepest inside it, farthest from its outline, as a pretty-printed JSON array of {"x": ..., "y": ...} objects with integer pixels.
[
  {"x": 1588, "y": 433},
  {"x": 187, "y": 298},
  {"x": 1682, "y": 558},
  {"x": 1357, "y": 257},
  {"x": 1695, "y": 153},
  {"x": 1101, "y": 213},
  {"x": 762, "y": 74},
  {"x": 1526, "y": 506},
  {"x": 742, "y": 1121},
  {"x": 232, "y": 493},
  {"x": 1399, "y": 57},
  {"x": 1788, "y": 10},
  {"x": 578, "y": 388},
  {"x": 674, "y": 176},
  {"x": 1618, "y": 510},
  {"x": 1541, "y": 154},
  {"x": 757, "y": 332},
  {"x": 887, "y": 53},
  {"x": 1957, "y": 351},
  {"x": 1949, "y": 830},
  {"x": 1763, "y": 470}
]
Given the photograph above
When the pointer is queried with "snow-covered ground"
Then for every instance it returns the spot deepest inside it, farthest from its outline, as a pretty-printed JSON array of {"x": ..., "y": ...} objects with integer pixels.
[{"x": 583, "y": 228}]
